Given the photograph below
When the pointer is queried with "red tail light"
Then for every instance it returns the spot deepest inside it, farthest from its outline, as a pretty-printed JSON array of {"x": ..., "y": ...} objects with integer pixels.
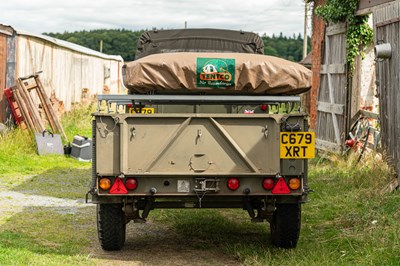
[
  {"x": 233, "y": 183},
  {"x": 131, "y": 183},
  {"x": 264, "y": 107},
  {"x": 268, "y": 183}
]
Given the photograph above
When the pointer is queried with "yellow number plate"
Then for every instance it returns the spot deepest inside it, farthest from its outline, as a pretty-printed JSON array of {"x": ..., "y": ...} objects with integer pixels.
[
  {"x": 144, "y": 111},
  {"x": 297, "y": 145}
]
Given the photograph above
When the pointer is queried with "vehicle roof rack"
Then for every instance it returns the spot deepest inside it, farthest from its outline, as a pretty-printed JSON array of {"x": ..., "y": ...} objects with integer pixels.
[
  {"x": 195, "y": 99},
  {"x": 141, "y": 100}
]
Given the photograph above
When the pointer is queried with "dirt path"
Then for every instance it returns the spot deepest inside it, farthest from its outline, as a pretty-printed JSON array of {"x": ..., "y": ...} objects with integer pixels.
[
  {"x": 12, "y": 201},
  {"x": 155, "y": 244},
  {"x": 146, "y": 244}
]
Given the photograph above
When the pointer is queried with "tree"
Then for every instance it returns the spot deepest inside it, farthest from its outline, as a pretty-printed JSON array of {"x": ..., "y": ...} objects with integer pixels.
[
  {"x": 117, "y": 41},
  {"x": 123, "y": 42}
]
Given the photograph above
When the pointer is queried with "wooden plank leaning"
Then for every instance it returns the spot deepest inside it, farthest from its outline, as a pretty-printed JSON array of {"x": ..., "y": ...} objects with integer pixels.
[
  {"x": 24, "y": 110},
  {"x": 43, "y": 97},
  {"x": 30, "y": 106},
  {"x": 51, "y": 115}
]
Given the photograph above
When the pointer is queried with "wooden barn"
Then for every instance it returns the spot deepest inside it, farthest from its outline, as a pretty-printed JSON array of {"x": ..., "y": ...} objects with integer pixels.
[
  {"x": 69, "y": 71},
  {"x": 336, "y": 96}
]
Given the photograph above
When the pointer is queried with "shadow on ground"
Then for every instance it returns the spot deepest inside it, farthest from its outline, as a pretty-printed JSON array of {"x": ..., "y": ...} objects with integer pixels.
[
  {"x": 190, "y": 237},
  {"x": 44, "y": 232},
  {"x": 170, "y": 237},
  {"x": 70, "y": 183}
]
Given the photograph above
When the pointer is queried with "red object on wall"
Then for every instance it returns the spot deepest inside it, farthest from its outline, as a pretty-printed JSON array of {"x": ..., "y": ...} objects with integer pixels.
[{"x": 16, "y": 112}]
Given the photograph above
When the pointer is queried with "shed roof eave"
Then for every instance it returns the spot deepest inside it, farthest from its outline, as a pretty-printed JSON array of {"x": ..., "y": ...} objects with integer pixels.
[
  {"x": 71, "y": 46},
  {"x": 366, "y": 7},
  {"x": 6, "y": 30}
]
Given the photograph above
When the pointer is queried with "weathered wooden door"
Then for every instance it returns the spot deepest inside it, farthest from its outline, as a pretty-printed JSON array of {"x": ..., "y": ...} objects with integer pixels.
[
  {"x": 333, "y": 94},
  {"x": 7, "y": 67},
  {"x": 387, "y": 30}
]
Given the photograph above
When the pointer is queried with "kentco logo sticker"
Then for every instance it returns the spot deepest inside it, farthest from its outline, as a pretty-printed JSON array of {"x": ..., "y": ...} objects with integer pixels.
[{"x": 215, "y": 72}]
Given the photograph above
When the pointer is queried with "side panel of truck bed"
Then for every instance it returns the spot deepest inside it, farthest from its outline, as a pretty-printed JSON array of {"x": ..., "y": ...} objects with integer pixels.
[{"x": 188, "y": 144}]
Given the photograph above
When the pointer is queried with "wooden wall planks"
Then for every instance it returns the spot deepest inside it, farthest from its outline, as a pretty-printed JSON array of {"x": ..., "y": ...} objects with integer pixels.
[
  {"x": 387, "y": 29},
  {"x": 332, "y": 91}
]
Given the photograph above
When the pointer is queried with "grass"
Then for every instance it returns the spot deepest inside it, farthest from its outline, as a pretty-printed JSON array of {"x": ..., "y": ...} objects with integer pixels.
[
  {"x": 78, "y": 121},
  {"x": 59, "y": 182},
  {"x": 43, "y": 237},
  {"x": 18, "y": 154},
  {"x": 350, "y": 219}
]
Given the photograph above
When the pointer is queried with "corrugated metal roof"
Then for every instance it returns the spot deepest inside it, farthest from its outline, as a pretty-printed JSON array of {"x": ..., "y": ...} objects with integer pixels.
[{"x": 71, "y": 46}]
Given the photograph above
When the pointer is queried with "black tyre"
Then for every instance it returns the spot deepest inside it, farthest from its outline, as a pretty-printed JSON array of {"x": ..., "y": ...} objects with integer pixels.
[
  {"x": 111, "y": 226},
  {"x": 285, "y": 225}
]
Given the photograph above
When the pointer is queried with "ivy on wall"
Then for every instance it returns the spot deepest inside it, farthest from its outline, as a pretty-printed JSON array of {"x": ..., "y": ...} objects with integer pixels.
[{"x": 359, "y": 33}]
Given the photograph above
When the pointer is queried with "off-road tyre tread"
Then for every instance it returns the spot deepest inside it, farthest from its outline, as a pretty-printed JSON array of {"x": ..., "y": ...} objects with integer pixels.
[
  {"x": 285, "y": 225},
  {"x": 111, "y": 226}
]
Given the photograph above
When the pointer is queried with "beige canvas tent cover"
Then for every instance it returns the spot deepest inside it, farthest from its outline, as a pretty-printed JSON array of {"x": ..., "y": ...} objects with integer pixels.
[
  {"x": 198, "y": 40},
  {"x": 183, "y": 73}
]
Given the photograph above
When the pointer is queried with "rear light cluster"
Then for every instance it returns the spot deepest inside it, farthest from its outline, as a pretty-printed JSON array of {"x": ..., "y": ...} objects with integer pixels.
[
  {"x": 105, "y": 183},
  {"x": 294, "y": 183},
  {"x": 275, "y": 186},
  {"x": 233, "y": 183},
  {"x": 119, "y": 187},
  {"x": 264, "y": 107},
  {"x": 268, "y": 183},
  {"x": 131, "y": 183},
  {"x": 278, "y": 186}
]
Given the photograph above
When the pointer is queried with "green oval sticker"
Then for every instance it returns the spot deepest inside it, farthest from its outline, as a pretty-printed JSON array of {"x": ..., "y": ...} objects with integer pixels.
[{"x": 215, "y": 72}]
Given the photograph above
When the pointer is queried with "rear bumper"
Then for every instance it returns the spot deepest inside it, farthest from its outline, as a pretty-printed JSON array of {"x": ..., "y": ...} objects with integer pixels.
[
  {"x": 194, "y": 186},
  {"x": 190, "y": 202}
]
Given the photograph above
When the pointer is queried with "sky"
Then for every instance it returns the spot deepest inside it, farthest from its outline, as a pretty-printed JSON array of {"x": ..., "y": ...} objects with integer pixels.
[{"x": 268, "y": 16}]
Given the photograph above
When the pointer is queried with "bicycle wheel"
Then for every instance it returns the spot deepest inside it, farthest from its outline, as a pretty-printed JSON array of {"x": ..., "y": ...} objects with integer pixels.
[{"x": 358, "y": 136}]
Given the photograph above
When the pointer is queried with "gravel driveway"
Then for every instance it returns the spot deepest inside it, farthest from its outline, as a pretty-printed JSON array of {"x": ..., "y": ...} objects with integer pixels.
[{"x": 146, "y": 244}]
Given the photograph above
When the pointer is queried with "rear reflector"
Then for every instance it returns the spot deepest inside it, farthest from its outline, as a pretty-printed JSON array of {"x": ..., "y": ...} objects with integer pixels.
[
  {"x": 268, "y": 183},
  {"x": 118, "y": 187},
  {"x": 281, "y": 187},
  {"x": 233, "y": 183},
  {"x": 131, "y": 183}
]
